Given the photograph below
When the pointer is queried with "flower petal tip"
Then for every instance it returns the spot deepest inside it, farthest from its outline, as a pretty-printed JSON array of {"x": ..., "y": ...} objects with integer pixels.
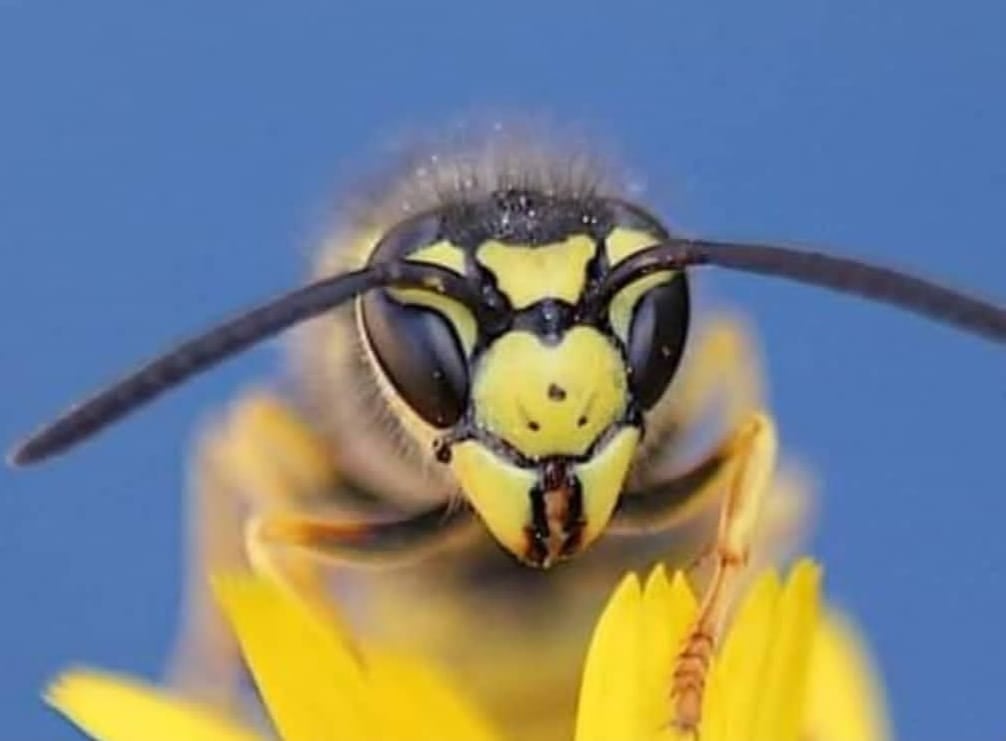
[
  {"x": 74, "y": 688},
  {"x": 805, "y": 577},
  {"x": 657, "y": 578},
  {"x": 628, "y": 588},
  {"x": 60, "y": 689}
]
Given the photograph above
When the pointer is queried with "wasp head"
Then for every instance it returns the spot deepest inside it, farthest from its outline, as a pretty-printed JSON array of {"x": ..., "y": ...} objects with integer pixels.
[{"x": 538, "y": 398}]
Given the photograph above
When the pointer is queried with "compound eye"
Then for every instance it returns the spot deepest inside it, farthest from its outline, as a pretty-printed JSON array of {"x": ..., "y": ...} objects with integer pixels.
[
  {"x": 656, "y": 338},
  {"x": 421, "y": 355}
]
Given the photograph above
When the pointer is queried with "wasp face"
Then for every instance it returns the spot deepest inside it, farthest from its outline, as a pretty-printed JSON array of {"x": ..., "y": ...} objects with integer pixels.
[{"x": 539, "y": 403}]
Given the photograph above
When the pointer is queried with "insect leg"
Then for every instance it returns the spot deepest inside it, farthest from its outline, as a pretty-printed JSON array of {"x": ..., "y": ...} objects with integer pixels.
[
  {"x": 723, "y": 374},
  {"x": 753, "y": 461},
  {"x": 368, "y": 543}
]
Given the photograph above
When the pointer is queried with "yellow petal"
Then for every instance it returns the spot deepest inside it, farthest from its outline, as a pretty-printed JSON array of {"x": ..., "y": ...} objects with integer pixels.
[
  {"x": 669, "y": 610},
  {"x": 309, "y": 676},
  {"x": 611, "y": 697},
  {"x": 420, "y": 703},
  {"x": 109, "y": 707},
  {"x": 846, "y": 701},
  {"x": 781, "y": 705},
  {"x": 741, "y": 662}
]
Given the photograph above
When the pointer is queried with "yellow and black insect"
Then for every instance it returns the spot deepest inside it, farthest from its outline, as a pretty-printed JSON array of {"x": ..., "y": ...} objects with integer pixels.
[{"x": 510, "y": 327}]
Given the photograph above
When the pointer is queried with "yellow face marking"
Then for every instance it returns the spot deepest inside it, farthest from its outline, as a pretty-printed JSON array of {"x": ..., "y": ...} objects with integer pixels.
[
  {"x": 620, "y": 245},
  {"x": 498, "y": 490},
  {"x": 442, "y": 253},
  {"x": 621, "y": 307},
  {"x": 501, "y": 492},
  {"x": 529, "y": 274},
  {"x": 602, "y": 478},
  {"x": 445, "y": 255},
  {"x": 550, "y": 399},
  {"x": 623, "y": 243}
]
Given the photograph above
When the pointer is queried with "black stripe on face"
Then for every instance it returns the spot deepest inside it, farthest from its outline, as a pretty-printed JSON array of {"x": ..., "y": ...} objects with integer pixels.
[
  {"x": 516, "y": 216},
  {"x": 556, "y": 528}
]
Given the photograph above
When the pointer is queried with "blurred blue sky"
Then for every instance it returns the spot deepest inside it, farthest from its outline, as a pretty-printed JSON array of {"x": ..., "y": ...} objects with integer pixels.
[{"x": 163, "y": 164}]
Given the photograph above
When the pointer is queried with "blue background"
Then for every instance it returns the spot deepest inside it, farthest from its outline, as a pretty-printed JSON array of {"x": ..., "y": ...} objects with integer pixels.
[{"x": 162, "y": 165}]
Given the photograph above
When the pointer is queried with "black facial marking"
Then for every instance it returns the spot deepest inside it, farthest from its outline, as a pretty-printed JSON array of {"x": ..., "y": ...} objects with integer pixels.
[
  {"x": 548, "y": 319},
  {"x": 525, "y": 216},
  {"x": 537, "y": 532},
  {"x": 556, "y": 392},
  {"x": 553, "y": 474},
  {"x": 574, "y": 521},
  {"x": 558, "y": 482}
]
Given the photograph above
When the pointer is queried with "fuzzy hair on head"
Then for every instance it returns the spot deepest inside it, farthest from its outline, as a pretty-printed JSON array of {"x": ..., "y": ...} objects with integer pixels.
[{"x": 469, "y": 163}]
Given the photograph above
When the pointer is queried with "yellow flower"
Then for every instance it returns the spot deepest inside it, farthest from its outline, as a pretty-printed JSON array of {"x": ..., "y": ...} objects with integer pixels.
[
  {"x": 315, "y": 684},
  {"x": 787, "y": 670}
]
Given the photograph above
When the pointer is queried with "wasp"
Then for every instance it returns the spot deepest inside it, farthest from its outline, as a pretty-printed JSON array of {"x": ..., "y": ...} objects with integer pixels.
[{"x": 492, "y": 344}]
